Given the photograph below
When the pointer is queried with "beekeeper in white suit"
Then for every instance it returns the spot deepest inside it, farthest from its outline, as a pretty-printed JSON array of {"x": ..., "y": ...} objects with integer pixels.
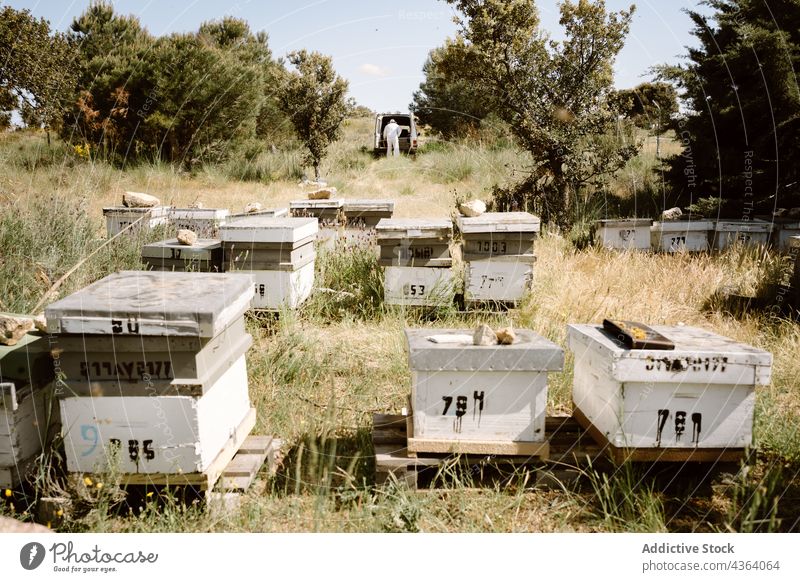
[{"x": 391, "y": 133}]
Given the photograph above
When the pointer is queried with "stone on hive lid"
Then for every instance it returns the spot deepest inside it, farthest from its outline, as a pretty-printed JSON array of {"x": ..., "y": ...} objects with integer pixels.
[
  {"x": 322, "y": 194},
  {"x": 186, "y": 237},
  {"x": 472, "y": 208},
  {"x": 139, "y": 200},
  {"x": 12, "y": 328}
]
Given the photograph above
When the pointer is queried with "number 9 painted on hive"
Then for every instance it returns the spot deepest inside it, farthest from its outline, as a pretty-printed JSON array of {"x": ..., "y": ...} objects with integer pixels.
[{"x": 89, "y": 433}]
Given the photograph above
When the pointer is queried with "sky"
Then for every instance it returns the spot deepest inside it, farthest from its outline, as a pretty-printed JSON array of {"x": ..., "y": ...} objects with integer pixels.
[{"x": 380, "y": 46}]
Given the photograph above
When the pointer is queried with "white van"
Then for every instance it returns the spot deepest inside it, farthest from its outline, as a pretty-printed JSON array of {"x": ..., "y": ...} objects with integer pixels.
[{"x": 408, "y": 135}]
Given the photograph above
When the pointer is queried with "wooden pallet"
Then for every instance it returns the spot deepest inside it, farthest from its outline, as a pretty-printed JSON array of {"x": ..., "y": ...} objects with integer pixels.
[
  {"x": 662, "y": 454},
  {"x": 569, "y": 447},
  {"x": 240, "y": 472}
]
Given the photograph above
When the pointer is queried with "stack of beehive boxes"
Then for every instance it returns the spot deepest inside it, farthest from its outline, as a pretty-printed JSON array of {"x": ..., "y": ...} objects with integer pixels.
[
  {"x": 155, "y": 379},
  {"x": 26, "y": 375},
  {"x": 415, "y": 254},
  {"x": 278, "y": 254},
  {"x": 480, "y": 399},
  {"x": 497, "y": 248},
  {"x": 693, "y": 402},
  {"x": 361, "y": 218},
  {"x": 624, "y": 233},
  {"x": 330, "y": 214},
  {"x": 204, "y": 256},
  {"x": 204, "y": 222}
]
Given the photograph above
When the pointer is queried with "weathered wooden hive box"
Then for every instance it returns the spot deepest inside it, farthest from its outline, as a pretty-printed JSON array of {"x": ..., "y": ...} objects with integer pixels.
[
  {"x": 624, "y": 233},
  {"x": 270, "y": 212},
  {"x": 26, "y": 389},
  {"x": 415, "y": 254},
  {"x": 120, "y": 217},
  {"x": 204, "y": 222},
  {"x": 479, "y": 399},
  {"x": 673, "y": 236},
  {"x": 279, "y": 255},
  {"x": 497, "y": 248},
  {"x": 692, "y": 403},
  {"x": 328, "y": 212},
  {"x": 205, "y": 256},
  {"x": 747, "y": 232},
  {"x": 361, "y": 218},
  {"x": 154, "y": 371}
]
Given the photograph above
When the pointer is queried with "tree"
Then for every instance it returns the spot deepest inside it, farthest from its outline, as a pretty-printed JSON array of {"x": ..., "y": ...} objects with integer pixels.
[
  {"x": 741, "y": 131},
  {"x": 447, "y": 100},
  {"x": 314, "y": 98},
  {"x": 36, "y": 67},
  {"x": 552, "y": 93},
  {"x": 649, "y": 105}
]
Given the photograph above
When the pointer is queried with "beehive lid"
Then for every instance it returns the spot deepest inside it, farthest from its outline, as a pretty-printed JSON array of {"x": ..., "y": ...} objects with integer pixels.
[
  {"x": 164, "y": 249},
  {"x": 268, "y": 229},
  {"x": 489, "y": 222},
  {"x": 198, "y": 213},
  {"x": 355, "y": 206},
  {"x": 683, "y": 225},
  {"x": 754, "y": 225},
  {"x": 794, "y": 242},
  {"x": 624, "y": 222},
  {"x": 690, "y": 342},
  {"x": 531, "y": 352},
  {"x": 127, "y": 211},
  {"x": 405, "y": 228},
  {"x": 146, "y": 303},
  {"x": 273, "y": 212},
  {"x": 328, "y": 203}
]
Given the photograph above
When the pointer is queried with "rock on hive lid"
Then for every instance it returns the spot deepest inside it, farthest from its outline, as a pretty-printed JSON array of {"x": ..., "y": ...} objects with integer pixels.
[
  {"x": 499, "y": 222},
  {"x": 131, "y": 303},
  {"x": 530, "y": 352},
  {"x": 268, "y": 229}
]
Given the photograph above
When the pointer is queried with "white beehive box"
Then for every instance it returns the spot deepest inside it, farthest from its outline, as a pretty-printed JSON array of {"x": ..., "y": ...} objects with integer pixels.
[
  {"x": 277, "y": 253},
  {"x": 479, "y": 399},
  {"x": 415, "y": 254},
  {"x": 497, "y": 248},
  {"x": 701, "y": 395},
  {"x": 155, "y": 434},
  {"x": 120, "y": 217},
  {"x": 681, "y": 235},
  {"x": 361, "y": 218},
  {"x": 204, "y": 222},
  {"x": 170, "y": 255},
  {"x": 747, "y": 232},
  {"x": 506, "y": 278},
  {"x": 329, "y": 213},
  {"x": 418, "y": 286},
  {"x": 24, "y": 422},
  {"x": 625, "y": 233}
]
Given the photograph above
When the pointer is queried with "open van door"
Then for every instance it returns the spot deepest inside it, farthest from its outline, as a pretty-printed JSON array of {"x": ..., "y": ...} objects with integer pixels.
[{"x": 377, "y": 147}]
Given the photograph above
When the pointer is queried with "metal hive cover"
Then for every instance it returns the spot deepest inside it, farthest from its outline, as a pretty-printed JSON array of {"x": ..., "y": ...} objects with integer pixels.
[
  {"x": 165, "y": 249},
  {"x": 333, "y": 203},
  {"x": 690, "y": 342},
  {"x": 754, "y": 225},
  {"x": 683, "y": 226},
  {"x": 273, "y": 212},
  {"x": 499, "y": 222},
  {"x": 268, "y": 229},
  {"x": 368, "y": 206},
  {"x": 198, "y": 213},
  {"x": 131, "y": 303},
  {"x": 531, "y": 352},
  {"x": 401, "y": 228},
  {"x": 624, "y": 222}
]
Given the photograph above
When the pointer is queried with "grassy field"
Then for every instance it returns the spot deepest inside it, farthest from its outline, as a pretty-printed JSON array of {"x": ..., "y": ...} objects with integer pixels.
[{"x": 317, "y": 376}]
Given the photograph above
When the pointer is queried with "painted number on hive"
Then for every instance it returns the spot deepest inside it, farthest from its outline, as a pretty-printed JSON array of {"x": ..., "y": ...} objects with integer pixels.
[
  {"x": 462, "y": 405},
  {"x": 135, "y": 450},
  {"x": 261, "y": 289},
  {"x": 485, "y": 246},
  {"x": 413, "y": 290},
  {"x": 677, "y": 241},
  {"x": 487, "y": 281},
  {"x": 129, "y": 326},
  {"x": 679, "y": 425}
]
